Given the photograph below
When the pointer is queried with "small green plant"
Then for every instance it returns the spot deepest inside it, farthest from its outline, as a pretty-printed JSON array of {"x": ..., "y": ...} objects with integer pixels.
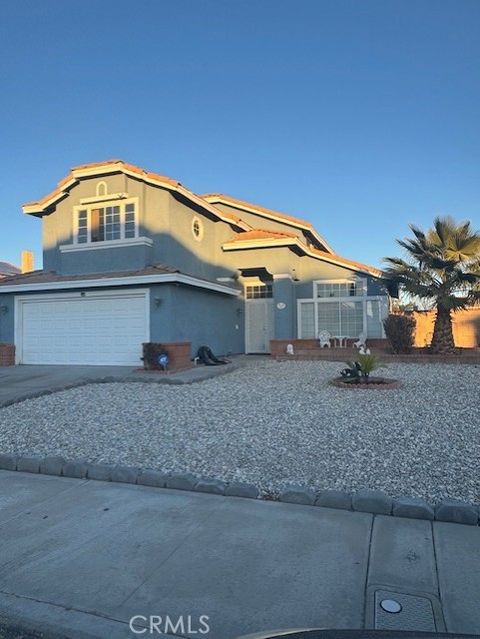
[{"x": 358, "y": 372}]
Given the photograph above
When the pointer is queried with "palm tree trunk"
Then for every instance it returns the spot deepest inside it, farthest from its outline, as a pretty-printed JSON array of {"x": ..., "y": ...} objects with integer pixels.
[{"x": 442, "y": 341}]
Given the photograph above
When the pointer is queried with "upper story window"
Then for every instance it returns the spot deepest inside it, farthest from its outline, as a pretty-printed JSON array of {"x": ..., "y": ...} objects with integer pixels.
[
  {"x": 340, "y": 288},
  {"x": 111, "y": 221}
]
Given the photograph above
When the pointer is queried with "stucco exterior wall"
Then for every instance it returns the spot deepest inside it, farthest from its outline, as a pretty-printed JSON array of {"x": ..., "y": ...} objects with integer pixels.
[
  {"x": 198, "y": 316},
  {"x": 7, "y": 319},
  {"x": 261, "y": 222},
  {"x": 180, "y": 248},
  {"x": 284, "y": 308},
  {"x": 57, "y": 227},
  {"x": 177, "y": 313},
  {"x": 162, "y": 217},
  {"x": 167, "y": 221}
]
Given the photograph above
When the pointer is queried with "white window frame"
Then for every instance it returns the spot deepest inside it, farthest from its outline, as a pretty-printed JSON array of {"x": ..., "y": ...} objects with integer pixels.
[
  {"x": 122, "y": 204},
  {"x": 360, "y": 282},
  {"x": 363, "y": 298}
]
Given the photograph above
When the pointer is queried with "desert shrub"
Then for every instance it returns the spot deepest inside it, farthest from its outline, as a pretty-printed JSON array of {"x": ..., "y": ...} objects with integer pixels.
[
  {"x": 359, "y": 371},
  {"x": 400, "y": 331}
]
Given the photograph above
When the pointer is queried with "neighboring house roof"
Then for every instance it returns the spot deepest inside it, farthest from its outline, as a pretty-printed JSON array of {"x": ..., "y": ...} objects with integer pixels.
[
  {"x": 44, "y": 280},
  {"x": 46, "y": 204},
  {"x": 7, "y": 269},
  {"x": 257, "y": 239},
  {"x": 220, "y": 198}
]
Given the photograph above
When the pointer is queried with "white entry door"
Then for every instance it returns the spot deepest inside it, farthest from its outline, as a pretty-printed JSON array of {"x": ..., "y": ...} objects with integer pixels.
[
  {"x": 259, "y": 325},
  {"x": 90, "y": 328}
]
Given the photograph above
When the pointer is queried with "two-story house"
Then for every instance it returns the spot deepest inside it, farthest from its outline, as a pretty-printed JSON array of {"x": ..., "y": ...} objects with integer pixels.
[{"x": 130, "y": 256}]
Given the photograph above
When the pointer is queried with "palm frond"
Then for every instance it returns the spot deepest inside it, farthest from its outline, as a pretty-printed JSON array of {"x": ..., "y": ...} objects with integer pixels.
[{"x": 442, "y": 264}]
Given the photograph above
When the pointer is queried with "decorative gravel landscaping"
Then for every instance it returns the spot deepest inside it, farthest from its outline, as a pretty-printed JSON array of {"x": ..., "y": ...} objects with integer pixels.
[{"x": 273, "y": 423}]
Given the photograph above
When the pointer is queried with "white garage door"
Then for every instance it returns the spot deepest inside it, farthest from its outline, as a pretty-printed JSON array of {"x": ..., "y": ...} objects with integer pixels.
[{"x": 89, "y": 328}]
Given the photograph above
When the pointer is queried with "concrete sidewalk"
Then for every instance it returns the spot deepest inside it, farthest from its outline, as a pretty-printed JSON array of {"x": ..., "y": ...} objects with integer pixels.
[{"x": 83, "y": 557}]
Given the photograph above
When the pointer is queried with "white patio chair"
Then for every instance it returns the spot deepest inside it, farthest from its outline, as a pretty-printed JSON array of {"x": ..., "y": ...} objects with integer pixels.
[{"x": 324, "y": 338}]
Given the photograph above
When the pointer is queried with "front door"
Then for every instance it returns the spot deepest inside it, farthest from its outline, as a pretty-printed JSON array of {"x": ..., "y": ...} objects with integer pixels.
[{"x": 259, "y": 325}]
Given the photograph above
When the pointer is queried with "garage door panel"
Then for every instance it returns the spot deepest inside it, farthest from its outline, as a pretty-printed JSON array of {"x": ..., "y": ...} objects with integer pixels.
[{"x": 106, "y": 329}]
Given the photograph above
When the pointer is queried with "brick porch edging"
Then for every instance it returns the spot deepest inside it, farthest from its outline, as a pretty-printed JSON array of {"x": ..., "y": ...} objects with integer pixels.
[{"x": 369, "y": 501}]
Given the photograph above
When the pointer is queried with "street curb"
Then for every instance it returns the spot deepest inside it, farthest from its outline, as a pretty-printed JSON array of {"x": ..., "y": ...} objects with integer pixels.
[{"x": 363, "y": 500}]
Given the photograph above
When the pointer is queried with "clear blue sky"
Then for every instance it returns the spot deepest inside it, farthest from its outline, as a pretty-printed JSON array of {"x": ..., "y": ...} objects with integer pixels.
[{"x": 361, "y": 116}]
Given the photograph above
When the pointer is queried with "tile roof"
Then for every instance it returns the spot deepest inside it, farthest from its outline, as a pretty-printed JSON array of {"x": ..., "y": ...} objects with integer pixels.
[
  {"x": 129, "y": 167},
  {"x": 46, "y": 277},
  {"x": 120, "y": 164},
  {"x": 116, "y": 165},
  {"x": 217, "y": 197}
]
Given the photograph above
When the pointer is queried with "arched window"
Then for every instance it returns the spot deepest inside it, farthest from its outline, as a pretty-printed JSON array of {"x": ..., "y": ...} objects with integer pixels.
[{"x": 102, "y": 188}]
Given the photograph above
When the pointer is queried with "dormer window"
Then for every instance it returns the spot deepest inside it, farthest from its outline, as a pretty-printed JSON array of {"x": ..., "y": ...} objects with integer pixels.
[{"x": 106, "y": 223}]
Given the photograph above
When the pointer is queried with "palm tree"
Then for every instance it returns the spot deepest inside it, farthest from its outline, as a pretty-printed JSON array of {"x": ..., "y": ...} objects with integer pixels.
[{"x": 442, "y": 268}]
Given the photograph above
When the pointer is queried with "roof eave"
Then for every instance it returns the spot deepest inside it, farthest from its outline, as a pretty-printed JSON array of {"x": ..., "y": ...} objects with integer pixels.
[
  {"x": 297, "y": 223},
  {"x": 238, "y": 245},
  {"x": 294, "y": 243},
  {"x": 42, "y": 207}
]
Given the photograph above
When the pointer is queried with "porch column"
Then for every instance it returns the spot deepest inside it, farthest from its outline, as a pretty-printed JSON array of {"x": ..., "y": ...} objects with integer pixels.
[{"x": 284, "y": 306}]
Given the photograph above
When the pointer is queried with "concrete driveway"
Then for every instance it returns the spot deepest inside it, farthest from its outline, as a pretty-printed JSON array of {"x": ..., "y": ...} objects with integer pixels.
[
  {"x": 20, "y": 382},
  {"x": 83, "y": 557}
]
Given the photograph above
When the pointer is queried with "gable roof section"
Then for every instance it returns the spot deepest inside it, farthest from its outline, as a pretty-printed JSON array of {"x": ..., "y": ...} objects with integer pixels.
[
  {"x": 45, "y": 204},
  {"x": 267, "y": 239},
  {"x": 220, "y": 198}
]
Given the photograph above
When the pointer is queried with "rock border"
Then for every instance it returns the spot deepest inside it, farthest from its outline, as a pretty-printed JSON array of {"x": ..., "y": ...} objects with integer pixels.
[
  {"x": 364, "y": 500},
  {"x": 386, "y": 383}
]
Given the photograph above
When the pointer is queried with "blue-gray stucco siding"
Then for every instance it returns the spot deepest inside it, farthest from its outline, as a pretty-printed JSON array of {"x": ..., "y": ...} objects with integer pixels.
[
  {"x": 183, "y": 313},
  {"x": 177, "y": 313}
]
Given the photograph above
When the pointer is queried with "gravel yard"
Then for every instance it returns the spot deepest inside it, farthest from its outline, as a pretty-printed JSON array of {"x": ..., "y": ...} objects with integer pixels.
[{"x": 273, "y": 423}]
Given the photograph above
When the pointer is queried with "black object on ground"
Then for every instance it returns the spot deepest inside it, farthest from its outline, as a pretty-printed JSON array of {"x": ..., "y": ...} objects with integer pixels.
[{"x": 206, "y": 356}]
